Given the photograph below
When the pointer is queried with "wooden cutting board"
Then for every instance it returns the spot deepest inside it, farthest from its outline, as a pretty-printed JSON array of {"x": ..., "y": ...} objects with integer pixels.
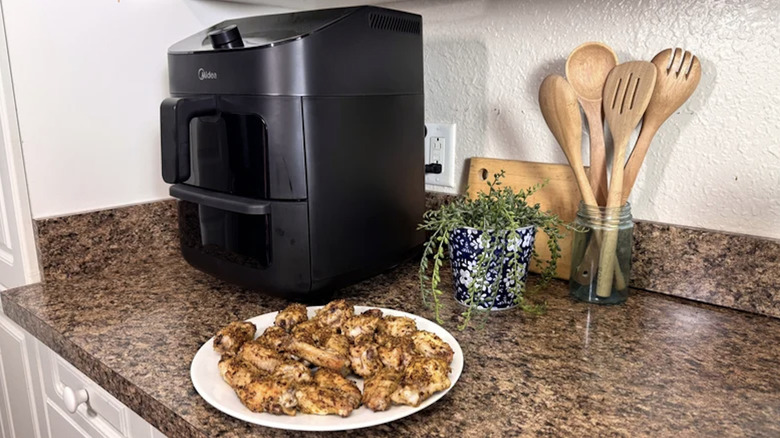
[{"x": 561, "y": 196}]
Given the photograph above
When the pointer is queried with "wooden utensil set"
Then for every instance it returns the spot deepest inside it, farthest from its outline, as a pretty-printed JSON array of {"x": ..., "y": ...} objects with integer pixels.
[{"x": 626, "y": 93}]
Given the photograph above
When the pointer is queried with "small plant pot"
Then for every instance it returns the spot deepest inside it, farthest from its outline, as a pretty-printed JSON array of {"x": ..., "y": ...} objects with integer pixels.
[{"x": 466, "y": 246}]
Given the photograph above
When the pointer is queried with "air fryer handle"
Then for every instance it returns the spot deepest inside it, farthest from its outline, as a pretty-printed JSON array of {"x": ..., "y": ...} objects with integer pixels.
[
  {"x": 175, "y": 116},
  {"x": 222, "y": 201}
]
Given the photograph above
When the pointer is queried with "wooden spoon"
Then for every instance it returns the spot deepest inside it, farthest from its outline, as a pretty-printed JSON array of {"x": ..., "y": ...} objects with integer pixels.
[
  {"x": 586, "y": 70},
  {"x": 558, "y": 102},
  {"x": 678, "y": 76},
  {"x": 627, "y": 93}
]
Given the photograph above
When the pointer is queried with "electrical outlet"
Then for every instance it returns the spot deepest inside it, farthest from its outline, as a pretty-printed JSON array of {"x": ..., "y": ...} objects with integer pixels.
[{"x": 440, "y": 148}]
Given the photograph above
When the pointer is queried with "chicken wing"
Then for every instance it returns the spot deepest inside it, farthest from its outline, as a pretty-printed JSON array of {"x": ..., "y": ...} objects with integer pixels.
[
  {"x": 378, "y": 389},
  {"x": 294, "y": 371},
  {"x": 430, "y": 345},
  {"x": 335, "y": 313},
  {"x": 237, "y": 373},
  {"x": 271, "y": 394},
  {"x": 318, "y": 356},
  {"x": 260, "y": 356},
  {"x": 314, "y": 399},
  {"x": 325, "y": 378},
  {"x": 373, "y": 312},
  {"x": 291, "y": 316},
  {"x": 361, "y": 325},
  {"x": 273, "y": 337},
  {"x": 334, "y": 342},
  {"x": 364, "y": 358},
  {"x": 397, "y": 326},
  {"x": 230, "y": 339},
  {"x": 308, "y": 331},
  {"x": 397, "y": 353},
  {"x": 423, "y": 377}
]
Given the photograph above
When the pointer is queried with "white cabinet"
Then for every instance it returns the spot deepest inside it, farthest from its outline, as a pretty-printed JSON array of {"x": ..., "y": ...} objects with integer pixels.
[
  {"x": 20, "y": 403},
  {"x": 43, "y": 396}
]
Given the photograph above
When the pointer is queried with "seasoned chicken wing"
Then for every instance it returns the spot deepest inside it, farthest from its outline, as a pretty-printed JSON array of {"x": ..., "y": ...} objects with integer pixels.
[
  {"x": 332, "y": 380},
  {"x": 364, "y": 358},
  {"x": 335, "y": 313},
  {"x": 318, "y": 356},
  {"x": 260, "y": 356},
  {"x": 397, "y": 353},
  {"x": 378, "y": 389},
  {"x": 430, "y": 345},
  {"x": 334, "y": 342},
  {"x": 237, "y": 373},
  {"x": 397, "y": 326},
  {"x": 271, "y": 394},
  {"x": 361, "y": 325},
  {"x": 308, "y": 331},
  {"x": 291, "y": 316},
  {"x": 230, "y": 339},
  {"x": 273, "y": 337},
  {"x": 314, "y": 399},
  {"x": 373, "y": 312},
  {"x": 420, "y": 380},
  {"x": 294, "y": 371}
]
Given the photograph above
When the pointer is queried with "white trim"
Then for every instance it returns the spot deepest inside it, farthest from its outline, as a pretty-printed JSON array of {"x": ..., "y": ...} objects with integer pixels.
[
  {"x": 6, "y": 404},
  {"x": 20, "y": 202},
  {"x": 43, "y": 421}
]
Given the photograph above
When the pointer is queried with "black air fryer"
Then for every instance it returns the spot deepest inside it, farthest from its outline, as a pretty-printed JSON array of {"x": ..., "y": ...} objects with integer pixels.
[{"x": 294, "y": 143}]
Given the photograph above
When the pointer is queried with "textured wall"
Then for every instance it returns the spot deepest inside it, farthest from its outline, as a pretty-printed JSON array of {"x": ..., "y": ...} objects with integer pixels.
[{"x": 715, "y": 164}]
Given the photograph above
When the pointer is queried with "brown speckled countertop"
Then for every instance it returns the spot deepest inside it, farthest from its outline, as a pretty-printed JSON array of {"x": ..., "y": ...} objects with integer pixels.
[{"x": 130, "y": 313}]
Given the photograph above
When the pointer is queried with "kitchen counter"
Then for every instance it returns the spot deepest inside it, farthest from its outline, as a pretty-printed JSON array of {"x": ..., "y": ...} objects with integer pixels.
[{"x": 130, "y": 313}]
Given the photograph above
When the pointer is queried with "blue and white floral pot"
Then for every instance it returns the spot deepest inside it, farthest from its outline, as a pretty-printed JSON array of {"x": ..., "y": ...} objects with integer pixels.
[{"x": 465, "y": 248}]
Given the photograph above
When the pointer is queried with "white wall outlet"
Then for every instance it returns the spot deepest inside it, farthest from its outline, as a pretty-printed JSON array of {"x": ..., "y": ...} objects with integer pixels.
[{"x": 440, "y": 148}]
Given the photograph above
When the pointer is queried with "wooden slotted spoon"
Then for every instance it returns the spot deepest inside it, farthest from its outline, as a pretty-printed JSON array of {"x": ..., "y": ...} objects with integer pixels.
[
  {"x": 587, "y": 68},
  {"x": 678, "y": 76},
  {"x": 627, "y": 93}
]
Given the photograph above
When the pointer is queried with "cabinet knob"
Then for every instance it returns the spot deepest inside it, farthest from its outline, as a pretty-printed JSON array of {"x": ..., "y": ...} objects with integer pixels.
[{"x": 73, "y": 398}]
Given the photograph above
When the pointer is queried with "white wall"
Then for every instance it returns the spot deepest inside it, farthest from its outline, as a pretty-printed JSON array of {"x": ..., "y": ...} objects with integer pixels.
[
  {"x": 88, "y": 110},
  {"x": 89, "y": 77},
  {"x": 716, "y": 164}
]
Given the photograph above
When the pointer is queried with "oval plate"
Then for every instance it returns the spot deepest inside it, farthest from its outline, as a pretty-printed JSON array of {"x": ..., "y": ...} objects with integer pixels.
[{"x": 209, "y": 384}]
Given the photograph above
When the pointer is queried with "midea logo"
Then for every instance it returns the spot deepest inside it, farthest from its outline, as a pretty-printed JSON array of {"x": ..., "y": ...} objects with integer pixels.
[{"x": 205, "y": 74}]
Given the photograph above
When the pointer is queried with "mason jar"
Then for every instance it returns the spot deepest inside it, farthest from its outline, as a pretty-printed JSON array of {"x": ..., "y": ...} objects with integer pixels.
[{"x": 601, "y": 254}]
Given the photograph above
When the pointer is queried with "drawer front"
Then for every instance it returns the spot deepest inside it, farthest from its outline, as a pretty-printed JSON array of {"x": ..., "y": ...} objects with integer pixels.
[
  {"x": 61, "y": 425},
  {"x": 101, "y": 415}
]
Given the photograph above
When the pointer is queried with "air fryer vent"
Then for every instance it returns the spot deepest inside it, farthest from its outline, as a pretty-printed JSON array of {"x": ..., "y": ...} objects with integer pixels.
[{"x": 396, "y": 24}]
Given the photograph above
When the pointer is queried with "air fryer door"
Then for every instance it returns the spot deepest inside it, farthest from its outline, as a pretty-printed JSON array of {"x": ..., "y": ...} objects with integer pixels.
[{"x": 236, "y": 221}]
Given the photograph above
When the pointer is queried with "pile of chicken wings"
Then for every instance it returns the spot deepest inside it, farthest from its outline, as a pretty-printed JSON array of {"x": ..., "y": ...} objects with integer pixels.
[{"x": 302, "y": 364}]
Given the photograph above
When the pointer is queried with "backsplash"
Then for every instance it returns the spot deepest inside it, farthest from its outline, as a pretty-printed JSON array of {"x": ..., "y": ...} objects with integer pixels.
[
  {"x": 729, "y": 270},
  {"x": 91, "y": 243}
]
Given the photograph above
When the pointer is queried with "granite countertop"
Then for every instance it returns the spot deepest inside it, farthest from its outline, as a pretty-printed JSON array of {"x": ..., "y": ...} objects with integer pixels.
[{"x": 130, "y": 314}]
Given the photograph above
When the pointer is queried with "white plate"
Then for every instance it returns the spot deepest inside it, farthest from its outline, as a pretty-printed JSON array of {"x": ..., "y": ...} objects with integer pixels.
[{"x": 210, "y": 386}]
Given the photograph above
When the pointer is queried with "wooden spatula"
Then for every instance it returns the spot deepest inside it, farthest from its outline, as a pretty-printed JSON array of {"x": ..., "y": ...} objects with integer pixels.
[
  {"x": 678, "y": 76},
  {"x": 558, "y": 103},
  {"x": 627, "y": 93}
]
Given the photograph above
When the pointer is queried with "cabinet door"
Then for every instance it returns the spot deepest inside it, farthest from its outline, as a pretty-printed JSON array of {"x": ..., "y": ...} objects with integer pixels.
[
  {"x": 18, "y": 399},
  {"x": 61, "y": 425},
  {"x": 100, "y": 416}
]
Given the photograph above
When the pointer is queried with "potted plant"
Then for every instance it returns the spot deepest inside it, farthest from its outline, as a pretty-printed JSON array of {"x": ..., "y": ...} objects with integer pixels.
[{"x": 490, "y": 240}]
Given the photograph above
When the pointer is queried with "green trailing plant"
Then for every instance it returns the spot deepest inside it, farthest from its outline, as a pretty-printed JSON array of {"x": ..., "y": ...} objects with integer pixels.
[{"x": 499, "y": 213}]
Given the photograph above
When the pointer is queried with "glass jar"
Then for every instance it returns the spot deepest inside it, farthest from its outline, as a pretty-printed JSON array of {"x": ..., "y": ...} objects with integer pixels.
[{"x": 601, "y": 254}]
